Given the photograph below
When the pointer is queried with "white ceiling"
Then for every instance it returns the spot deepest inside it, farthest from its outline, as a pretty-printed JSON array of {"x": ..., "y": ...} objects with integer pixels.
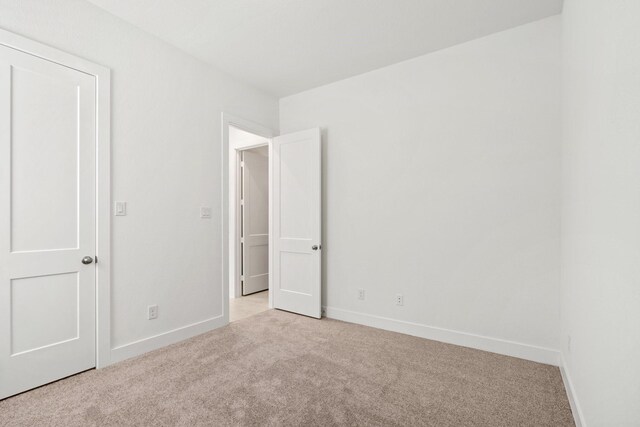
[{"x": 287, "y": 46}]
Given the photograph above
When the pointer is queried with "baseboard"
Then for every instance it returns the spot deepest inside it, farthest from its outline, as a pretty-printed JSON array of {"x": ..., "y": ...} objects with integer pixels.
[
  {"x": 571, "y": 394},
  {"x": 155, "y": 342},
  {"x": 494, "y": 345}
]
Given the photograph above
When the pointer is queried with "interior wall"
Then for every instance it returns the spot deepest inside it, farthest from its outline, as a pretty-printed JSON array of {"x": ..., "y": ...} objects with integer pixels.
[
  {"x": 441, "y": 183},
  {"x": 239, "y": 137},
  {"x": 166, "y": 136},
  {"x": 601, "y": 209}
]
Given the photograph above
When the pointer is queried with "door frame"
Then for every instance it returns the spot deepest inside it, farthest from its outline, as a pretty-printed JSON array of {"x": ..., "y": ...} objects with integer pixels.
[
  {"x": 103, "y": 177},
  {"x": 230, "y": 212}
]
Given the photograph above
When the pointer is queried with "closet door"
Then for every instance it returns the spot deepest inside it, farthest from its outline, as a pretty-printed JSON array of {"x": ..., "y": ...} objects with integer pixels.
[{"x": 47, "y": 221}]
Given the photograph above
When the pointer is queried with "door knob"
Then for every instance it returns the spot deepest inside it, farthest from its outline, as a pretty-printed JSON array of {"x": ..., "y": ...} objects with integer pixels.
[
  {"x": 315, "y": 247},
  {"x": 87, "y": 260}
]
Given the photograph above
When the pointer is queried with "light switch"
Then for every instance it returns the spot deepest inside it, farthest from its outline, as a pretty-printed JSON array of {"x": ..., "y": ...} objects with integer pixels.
[
  {"x": 205, "y": 212},
  {"x": 121, "y": 208}
]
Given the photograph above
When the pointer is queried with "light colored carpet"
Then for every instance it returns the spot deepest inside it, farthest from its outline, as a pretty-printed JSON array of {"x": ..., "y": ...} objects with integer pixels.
[
  {"x": 277, "y": 368},
  {"x": 246, "y": 306}
]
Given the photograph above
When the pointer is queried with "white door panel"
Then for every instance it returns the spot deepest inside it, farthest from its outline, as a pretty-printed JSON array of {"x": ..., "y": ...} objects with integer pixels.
[
  {"x": 47, "y": 221},
  {"x": 255, "y": 220},
  {"x": 296, "y": 211}
]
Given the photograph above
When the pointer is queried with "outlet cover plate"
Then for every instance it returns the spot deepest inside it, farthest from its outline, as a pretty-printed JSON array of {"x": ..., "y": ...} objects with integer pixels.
[{"x": 152, "y": 312}]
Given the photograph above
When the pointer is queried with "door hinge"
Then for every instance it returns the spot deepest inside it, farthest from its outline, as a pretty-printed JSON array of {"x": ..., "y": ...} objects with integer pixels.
[
  {"x": 242, "y": 164},
  {"x": 242, "y": 278},
  {"x": 241, "y": 202},
  {"x": 242, "y": 240}
]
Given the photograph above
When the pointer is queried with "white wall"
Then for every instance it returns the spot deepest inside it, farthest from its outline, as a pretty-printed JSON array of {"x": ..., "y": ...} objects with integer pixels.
[
  {"x": 239, "y": 137},
  {"x": 441, "y": 183},
  {"x": 601, "y": 209},
  {"x": 166, "y": 160}
]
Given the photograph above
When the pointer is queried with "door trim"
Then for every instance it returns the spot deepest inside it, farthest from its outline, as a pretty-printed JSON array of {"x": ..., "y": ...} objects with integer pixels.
[
  {"x": 229, "y": 212},
  {"x": 103, "y": 177}
]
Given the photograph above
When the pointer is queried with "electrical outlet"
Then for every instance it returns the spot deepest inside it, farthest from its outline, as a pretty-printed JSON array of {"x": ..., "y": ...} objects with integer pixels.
[
  {"x": 399, "y": 299},
  {"x": 152, "y": 312},
  {"x": 360, "y": 293}
]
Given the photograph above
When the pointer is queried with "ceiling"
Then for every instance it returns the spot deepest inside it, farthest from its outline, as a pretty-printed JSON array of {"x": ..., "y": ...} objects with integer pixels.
[{"x": 287, "y": 46}]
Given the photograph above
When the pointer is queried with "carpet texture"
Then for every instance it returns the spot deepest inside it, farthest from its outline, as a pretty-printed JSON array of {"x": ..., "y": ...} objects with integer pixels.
[{"x": 278, "y": 368}]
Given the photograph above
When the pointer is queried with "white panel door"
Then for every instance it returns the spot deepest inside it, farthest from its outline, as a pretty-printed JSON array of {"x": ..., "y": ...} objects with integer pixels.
[
  {"x": 255, "y": 220},
  {"x": 296, "y": 210},
  {"x": 47, "y": 221}
]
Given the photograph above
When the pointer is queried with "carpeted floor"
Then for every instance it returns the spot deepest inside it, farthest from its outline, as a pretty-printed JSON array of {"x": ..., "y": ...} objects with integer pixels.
[{"x": 278, "y": 368}]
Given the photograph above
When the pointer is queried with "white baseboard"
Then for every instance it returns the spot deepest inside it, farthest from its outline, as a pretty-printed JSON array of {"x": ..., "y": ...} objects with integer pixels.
[
  {"x": 494, "y": 345},
  {"x": 571, "y": 394},
  {"x": 155, "y": 342}
]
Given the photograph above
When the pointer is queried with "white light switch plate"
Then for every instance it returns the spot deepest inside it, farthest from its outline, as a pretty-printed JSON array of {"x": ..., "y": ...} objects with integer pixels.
[
  {"x": 205, "y": 212},
  {"x": 120, "y": 209}
]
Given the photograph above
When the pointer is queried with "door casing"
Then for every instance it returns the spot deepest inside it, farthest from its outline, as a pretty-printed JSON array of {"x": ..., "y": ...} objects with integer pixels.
[{"x": 103, "y": 177}]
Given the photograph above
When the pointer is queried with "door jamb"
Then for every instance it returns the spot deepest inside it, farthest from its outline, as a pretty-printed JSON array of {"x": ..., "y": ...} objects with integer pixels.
[
  {"x": 229, "y": 211},
  {"x": 103, "y": 177}
]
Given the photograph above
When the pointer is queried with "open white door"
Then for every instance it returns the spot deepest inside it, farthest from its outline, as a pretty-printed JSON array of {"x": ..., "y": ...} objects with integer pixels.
[
  {"x": 296, "y": 222},
  {"x": 255, "y": 220},
  {"x": 47, "y": 221}
]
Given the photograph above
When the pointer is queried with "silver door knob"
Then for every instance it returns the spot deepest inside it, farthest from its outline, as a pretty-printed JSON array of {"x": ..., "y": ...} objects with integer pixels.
[{"x": 87, "y": 260}]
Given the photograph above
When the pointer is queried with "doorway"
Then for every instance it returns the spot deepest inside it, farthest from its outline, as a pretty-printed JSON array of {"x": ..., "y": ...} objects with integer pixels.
[
  {"x": 249, "y": 294},
  {"x": 254, "y": 220},
  {"x": 294, "y": 223}
]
